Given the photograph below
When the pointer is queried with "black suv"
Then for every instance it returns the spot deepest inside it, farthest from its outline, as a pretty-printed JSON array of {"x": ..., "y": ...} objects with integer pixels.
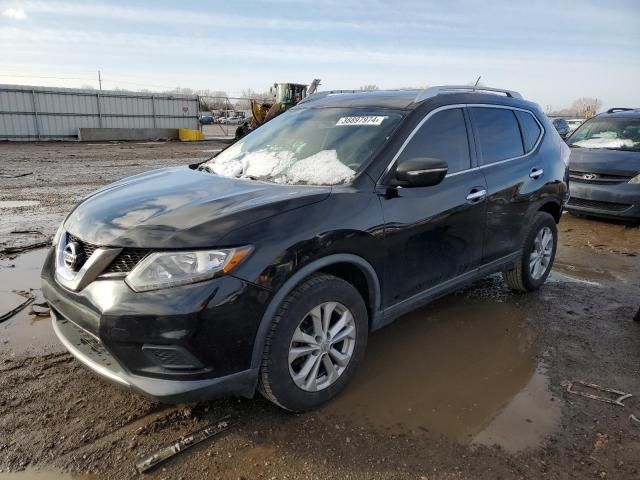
[{"x": 267, "y": 266}]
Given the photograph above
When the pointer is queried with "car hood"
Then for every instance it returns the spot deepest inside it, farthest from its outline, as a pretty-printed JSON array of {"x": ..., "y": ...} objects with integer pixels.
[
  {"x": 181, "y": 208},
  {"x": 601, "y": 160}
]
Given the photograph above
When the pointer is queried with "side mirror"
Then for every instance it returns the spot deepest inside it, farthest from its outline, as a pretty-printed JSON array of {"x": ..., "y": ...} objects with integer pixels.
[{"x": 421, "y": 172}]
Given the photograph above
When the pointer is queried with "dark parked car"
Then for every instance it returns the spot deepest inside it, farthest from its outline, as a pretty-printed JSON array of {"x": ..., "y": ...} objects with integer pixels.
[
  {"x": 206, "y": 119},
  {"x": 267, "y": 266},
  {"x": 605, "y": 166},
  {"x": 562, "y": 126}
]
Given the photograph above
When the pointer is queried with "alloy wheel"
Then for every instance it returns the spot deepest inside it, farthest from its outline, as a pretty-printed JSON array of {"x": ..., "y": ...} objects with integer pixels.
[
  {"x": 322, "y": 346},
  {"x": 540, "y": 256}
]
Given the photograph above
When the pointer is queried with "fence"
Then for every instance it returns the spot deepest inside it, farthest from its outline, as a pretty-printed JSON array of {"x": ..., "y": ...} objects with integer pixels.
[
  {"x": 226, "y": 113},
  {"x": 45, "y": 113}
]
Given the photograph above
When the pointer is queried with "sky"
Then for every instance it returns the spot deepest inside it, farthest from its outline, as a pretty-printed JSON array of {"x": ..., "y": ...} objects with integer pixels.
[{"x": 551, "y": 51}]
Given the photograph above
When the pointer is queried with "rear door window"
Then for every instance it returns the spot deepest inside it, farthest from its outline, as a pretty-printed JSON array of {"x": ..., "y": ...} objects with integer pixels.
[
  {"x": 530, "y": 129},
  {"x": 498, "y": 132},
  {"x": 443, "y": 136}
]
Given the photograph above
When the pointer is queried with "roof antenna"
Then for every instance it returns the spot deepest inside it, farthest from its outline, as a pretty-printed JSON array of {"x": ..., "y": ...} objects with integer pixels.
[{"x": 477, "y": 82}]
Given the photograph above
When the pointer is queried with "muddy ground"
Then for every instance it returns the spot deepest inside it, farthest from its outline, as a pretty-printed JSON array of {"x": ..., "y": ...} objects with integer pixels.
[{"x": 471, "y": 387}]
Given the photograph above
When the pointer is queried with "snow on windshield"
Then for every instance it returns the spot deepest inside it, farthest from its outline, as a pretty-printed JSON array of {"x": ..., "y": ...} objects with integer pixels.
[{"x": 321, "y": 168}]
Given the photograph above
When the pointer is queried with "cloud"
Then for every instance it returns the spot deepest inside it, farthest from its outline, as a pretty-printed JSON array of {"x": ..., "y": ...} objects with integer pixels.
[{"x": 14, "y": 13}]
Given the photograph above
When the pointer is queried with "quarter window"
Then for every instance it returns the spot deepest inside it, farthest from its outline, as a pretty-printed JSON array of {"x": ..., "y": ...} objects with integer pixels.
[
  {"x": 498, "y": 133},
  {"x": 530, "y": 129},
  {"x": 443, "y": 136}
]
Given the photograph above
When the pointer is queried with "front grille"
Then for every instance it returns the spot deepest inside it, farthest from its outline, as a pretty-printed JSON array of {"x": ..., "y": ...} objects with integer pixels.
[
  {"x": 123, "y": 263},
  {"x": 597, "y": 178},
  {"x": 606, "y": 206},
  {"x": 128, "y": 258},
  {"x": 86, "y": 248}
]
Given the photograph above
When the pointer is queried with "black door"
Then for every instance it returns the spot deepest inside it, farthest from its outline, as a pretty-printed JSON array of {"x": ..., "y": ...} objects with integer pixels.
[
  {"x": 433, "y": 234},
  {"x": 513, "y": 172}
]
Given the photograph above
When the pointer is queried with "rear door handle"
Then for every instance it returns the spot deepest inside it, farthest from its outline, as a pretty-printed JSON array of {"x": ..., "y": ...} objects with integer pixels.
[
  {"x": 476, "y": 194},
  {"x": 536, "y": 173}
]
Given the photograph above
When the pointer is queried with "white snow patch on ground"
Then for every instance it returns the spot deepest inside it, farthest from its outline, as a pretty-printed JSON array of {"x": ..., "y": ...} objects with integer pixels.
[{"x": 322, "y": 168}]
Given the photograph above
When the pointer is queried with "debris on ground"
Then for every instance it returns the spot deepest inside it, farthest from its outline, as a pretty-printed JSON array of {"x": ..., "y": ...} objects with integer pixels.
[
  {"x": 635, "y": 419},
  {"x": 616, "y": 397},
  {"x": 601, "y": 441},
  {"x": 25, "y": 248},
  {"x": 34, "y": 232},
  {"x": 40, "y": 309},
  {"x": 4, "y": 175},
  {"x": 28, "y": 299},
  {"x": 150, "y": 461}
]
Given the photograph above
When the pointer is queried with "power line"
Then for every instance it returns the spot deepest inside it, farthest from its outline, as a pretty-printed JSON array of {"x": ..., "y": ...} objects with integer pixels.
[
  {"x": 100, "y": 79},
  {"x": 40, "y": 76}
]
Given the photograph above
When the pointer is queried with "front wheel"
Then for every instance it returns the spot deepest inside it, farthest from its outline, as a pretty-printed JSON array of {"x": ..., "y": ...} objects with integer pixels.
[
  {"x": 538, "y": 252},
  {"x": 315, "y": 343}
]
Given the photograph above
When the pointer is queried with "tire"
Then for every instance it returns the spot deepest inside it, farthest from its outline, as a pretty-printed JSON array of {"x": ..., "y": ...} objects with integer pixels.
[
  {"x": 522, "y": 277},
  {"x": 294, "y": 316}
]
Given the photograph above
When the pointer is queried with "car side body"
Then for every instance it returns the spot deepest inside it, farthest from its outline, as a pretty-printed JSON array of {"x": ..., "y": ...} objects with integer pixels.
[{"x": 399, "y": 247}]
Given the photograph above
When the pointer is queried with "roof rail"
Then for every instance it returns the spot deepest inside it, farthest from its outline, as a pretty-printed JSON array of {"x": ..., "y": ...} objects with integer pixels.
[
  {"x": 620, "y": 109},
  {"x": 442, "y": 89}
]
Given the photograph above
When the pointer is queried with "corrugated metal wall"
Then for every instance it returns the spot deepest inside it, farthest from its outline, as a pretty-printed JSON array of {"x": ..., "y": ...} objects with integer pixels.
[{"x": 42, "y": 113}]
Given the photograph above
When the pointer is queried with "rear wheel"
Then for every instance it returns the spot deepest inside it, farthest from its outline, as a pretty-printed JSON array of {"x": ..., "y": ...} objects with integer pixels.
[
  {"x": 538, "y": 252},
  {"x": 315, "y": 343}
]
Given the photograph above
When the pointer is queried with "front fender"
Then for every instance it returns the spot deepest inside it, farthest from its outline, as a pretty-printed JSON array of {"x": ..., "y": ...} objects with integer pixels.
[{"x": 304, "y": 272}]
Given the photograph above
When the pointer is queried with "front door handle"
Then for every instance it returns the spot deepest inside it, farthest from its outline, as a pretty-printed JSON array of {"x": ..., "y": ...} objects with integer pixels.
[
  {"x": 476, "y": 195},
  {"x": 536, "y": 173}
]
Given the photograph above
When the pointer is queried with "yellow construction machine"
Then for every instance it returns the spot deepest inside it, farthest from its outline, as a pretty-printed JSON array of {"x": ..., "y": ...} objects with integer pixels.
[{"x": 285, "y": 96}]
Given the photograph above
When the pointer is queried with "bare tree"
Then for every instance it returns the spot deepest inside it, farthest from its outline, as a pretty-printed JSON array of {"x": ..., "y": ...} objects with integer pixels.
[
  {"x": 214, "y": 100},
  {"x": 369, "y": 88},
  {"x": 181, "y": 91},
  {"x": 584, "y": 107},
  {"x": 249, "y": 94}
]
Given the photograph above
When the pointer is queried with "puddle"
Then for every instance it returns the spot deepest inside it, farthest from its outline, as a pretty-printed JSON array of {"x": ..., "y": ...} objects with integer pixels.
[
  {"x": 23, "y": 332},
  {"x": 18, "y": 203},
  {"x": 596, "y": 266},
  {"x": 527, "y": 419},
  {"x": 457, "y": 367},
  {"x": 593, "y": 274},
  {"x": 557, "y": 276},
  {"x": 43, "y": 475}
]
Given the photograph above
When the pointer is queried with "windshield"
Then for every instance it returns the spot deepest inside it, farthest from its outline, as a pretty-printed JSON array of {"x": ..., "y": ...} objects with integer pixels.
[
  {"x": 326, "y": 146},
  {"x": 610, "y": 133}
]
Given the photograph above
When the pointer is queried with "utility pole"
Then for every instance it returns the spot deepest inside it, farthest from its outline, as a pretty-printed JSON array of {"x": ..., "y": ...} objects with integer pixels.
[{"x": 99, "y": 80}]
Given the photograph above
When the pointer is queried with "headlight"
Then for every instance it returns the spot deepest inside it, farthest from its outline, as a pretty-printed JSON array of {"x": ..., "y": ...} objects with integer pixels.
[
  {"x": 56, "y": 237},
  {"x": 635, "y": 179},
  {"x": 170, "y": 269}
]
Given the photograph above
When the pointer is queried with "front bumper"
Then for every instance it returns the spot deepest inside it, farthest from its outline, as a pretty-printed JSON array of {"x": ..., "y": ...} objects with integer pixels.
[
  {"x": 92, "y": 353},
  {"x": 620, "y": 201},
  {"x": 187, "y": 343}
]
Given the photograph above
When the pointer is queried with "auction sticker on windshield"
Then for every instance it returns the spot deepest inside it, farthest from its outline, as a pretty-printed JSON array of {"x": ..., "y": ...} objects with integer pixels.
[{"x": 368, "y": 120}]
